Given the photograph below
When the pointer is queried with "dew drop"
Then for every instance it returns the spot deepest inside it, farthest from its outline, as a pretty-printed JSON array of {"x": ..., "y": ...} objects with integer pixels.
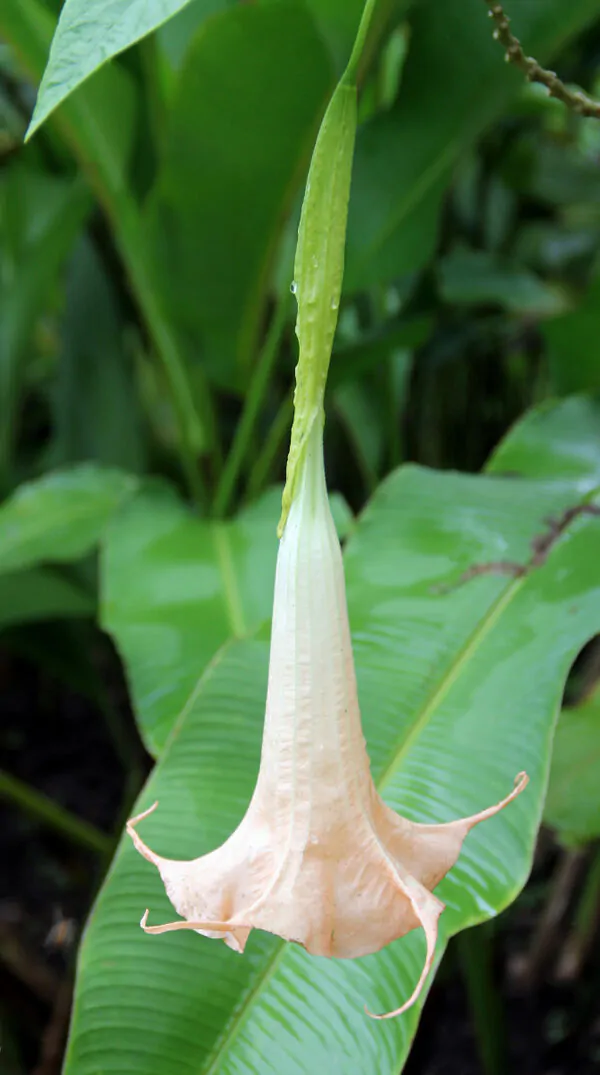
[{"x": 294, "y": 287}]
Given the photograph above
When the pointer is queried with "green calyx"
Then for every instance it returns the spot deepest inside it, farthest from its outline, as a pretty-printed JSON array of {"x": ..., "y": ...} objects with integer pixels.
[{"x": 319, "y": 263}]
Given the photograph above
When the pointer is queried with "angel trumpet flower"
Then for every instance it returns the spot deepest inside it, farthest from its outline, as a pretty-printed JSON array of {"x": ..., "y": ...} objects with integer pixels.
[{"x": 318, "y": 858}]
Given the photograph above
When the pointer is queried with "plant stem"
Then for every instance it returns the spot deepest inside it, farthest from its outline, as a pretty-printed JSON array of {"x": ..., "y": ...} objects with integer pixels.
[
  {"x": 475, "y": 956},
  {"x": 574, "y": 99},
  {"x": 254, "y": 400},
  {"x": 54, "y": 816},
  {"x": 263, "y": 465},
  {"x": 351, "y": 72}
]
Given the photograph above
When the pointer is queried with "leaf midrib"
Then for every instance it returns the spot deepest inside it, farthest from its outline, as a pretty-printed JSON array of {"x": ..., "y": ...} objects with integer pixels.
[{"x": 231, "y": 586}]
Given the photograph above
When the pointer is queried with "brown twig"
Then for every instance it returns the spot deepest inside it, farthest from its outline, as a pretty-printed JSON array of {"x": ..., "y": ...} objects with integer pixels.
[{"x": 575, "y": 99}]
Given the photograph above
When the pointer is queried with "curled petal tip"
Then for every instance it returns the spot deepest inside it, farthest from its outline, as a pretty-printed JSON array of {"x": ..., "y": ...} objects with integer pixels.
[
  {"x": 520, "y": 783},
  {"x": 390, "y": 1015},
  {"x": 133, "y": 821},
  {"x": 139, "y": 844},
  {"x": 144, "y": 918}
]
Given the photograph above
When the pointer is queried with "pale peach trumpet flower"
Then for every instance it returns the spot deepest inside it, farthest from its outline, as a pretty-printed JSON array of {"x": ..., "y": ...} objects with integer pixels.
[{"x": 318, "y": 858}]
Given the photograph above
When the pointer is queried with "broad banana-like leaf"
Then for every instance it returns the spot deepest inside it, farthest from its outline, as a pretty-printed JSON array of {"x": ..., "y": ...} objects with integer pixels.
[{"x": 461, "y": 666}]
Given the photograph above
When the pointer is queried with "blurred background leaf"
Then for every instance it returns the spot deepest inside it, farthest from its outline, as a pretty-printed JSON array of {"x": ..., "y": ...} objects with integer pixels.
[
  {"x": 243, "y": 118},
  {"x": 60, "y": 517},
  {"x": 573, "y": 803}
]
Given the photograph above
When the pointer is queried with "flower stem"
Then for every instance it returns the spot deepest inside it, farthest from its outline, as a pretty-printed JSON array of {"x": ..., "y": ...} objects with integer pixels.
[{"x": 351, "y": 73}]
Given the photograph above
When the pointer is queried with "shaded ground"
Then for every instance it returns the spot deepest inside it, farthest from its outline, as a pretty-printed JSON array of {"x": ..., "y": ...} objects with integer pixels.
[{"x": 58, "y": 741}]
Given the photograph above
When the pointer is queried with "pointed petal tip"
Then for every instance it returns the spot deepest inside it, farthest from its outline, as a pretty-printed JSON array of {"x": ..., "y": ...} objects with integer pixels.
[
  {"x": 429, "y": 923},
  {"x": 521, "y": 782},
  {"x": 133, "y": 821},
  {"x": 431, "y": 935},
  {"x": 138, "y": 843},
  {"x": 183, "y": 923},
  {"x": 428, "y": 911}
]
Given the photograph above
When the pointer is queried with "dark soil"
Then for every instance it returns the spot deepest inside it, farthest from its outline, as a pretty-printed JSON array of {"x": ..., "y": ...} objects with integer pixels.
[{"x": 58, "y": 741}]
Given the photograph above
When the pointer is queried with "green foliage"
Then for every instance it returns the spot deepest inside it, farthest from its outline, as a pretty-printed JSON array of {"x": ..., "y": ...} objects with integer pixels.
[
  {"x": 556, "y": 442},
  {"x": 479, "y": 277},
  {"x": 41, "y": 594},
  {"x": 40, "y": 219},
  {"x": 60, "y": 517},
  {"x": 445, "y": 681},
  {"x": 146, "y": 368},
  {"x": 405, "y": 157},
  {"x": 241, "y": 125},
  {"x": 90, "y": 34},
  {"x": 573, "y": 802},
  {"x": 96, "y": 405}
]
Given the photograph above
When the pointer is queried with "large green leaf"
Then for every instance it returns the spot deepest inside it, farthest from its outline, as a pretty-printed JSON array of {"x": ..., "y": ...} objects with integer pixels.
[
  {"x": 455, "y": 82},
  {"x": 59, "y": 517},
  {"x": 459, "y": 689},
  {"x": 89, "y": 33},
  {"x": 573, "y": 802},
  {"x": 241, "y": 127},
  {"x": 557, "y": 441},
  {"x": 176, "y": 587}
]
